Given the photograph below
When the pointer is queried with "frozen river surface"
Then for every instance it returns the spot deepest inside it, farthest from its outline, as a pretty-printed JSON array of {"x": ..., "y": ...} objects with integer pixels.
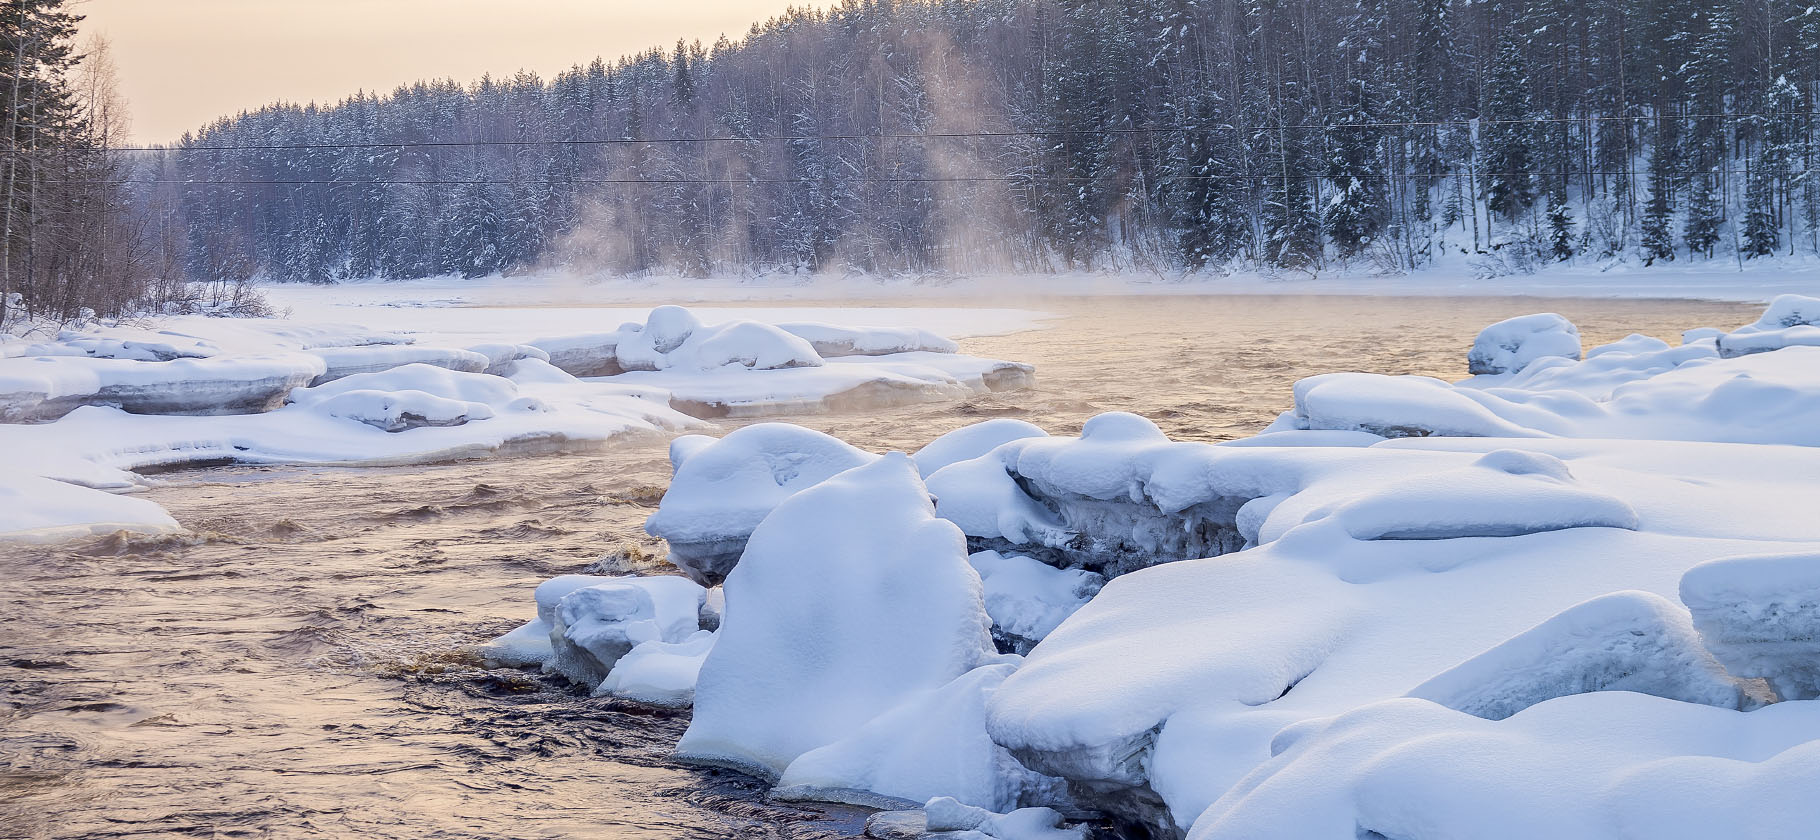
[{"x": 295, "y": 668}]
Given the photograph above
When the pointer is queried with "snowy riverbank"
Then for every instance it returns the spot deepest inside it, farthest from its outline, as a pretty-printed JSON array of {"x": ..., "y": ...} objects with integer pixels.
[
  {"x": 81, "y": 412},
  {"x": 1569, "y": 597}
]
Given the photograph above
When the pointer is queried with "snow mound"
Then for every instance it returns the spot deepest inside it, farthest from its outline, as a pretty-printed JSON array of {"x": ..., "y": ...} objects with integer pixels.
[
  {"x": 1582, "y": 767},
  {"x": 1625, "y": 641},
  {"x": 831, "y": 341},
  {"x": 348, "y": 361},
  {"x": 673, "y": 337},
  {"x": 933, "y": 743},
  {"x": 811, "y": 647},
  {"x": 659, "y": 673},
  {"x": 1027, "y": 598},
  {"x": 447, "y": 384},
  {"x": 1512, "y": 344},
  {"x": 397, "y": 411},
  {"x": 1790, "y": 321},
  {"x": 1760, "y": 615},
  {"x": 722, "y": 489},
  {"x": 593, "y": 626},
  {"x": 1406, "y": 406},
  {"x": 34, "y": 509},
  {"x": 969, "y": 442}
]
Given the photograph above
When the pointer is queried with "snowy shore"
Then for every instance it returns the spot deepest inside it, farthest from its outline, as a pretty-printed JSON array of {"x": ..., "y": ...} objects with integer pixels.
[
  {"x": 81, "y": 411},
  {"x": 1572, "y": 596}
]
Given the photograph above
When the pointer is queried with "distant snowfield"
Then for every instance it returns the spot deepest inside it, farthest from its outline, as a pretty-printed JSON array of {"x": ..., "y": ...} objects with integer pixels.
[
  {"x": 882, "y": 299},
  {"x": 519, "y": 309}
]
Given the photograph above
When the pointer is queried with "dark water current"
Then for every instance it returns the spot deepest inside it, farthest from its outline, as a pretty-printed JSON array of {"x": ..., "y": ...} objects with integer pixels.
[{"x": 295, "y": 668}]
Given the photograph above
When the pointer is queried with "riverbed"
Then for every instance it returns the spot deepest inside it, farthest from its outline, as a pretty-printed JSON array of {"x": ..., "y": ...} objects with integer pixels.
[{"x": 296, "y": 666}]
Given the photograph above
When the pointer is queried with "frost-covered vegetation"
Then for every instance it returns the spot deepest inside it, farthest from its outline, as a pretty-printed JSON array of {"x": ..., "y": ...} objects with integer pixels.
[{"x": 1592, "y": 621}]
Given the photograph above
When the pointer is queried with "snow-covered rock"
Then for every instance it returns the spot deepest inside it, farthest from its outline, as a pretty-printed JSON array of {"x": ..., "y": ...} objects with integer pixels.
[
  {"x": 594, "y": 626},
  {"x": 1760, "y": 615},
  {"x": 850, "y": 597},
  {"x": 1790, "y": 321},
  {"x": 1510, "y": 345},
  {"x": 831, "y": 341},
  {"x": 673, "y": 337},
  {"x": 529, "y": 644},
  {"x": 1582, "y": 767},
  {"x": 659, "y": 673},
  {"x": 933, "y": 743},
  {"x": 722, "y": 489},
  {"x": 968, "y": 822},
  {"x": 1625, "y": 641},
  {"x": 1027, "y": 598}
]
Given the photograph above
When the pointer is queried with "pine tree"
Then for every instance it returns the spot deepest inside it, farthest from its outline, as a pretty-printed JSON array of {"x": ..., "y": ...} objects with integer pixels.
[
  {"x": 1658, "y": 243},
  {"x": 1358, "y": 208},
  {"x": 1700, "y": 229},
  {"x": 1508, "y": 146},
  {"x": 1560, "y": 228}
]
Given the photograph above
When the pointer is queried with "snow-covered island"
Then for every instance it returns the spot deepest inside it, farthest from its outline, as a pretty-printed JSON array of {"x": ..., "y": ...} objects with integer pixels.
[
  {"x": 81, "y": 412},
  {"x": 1573, "y": 596}
]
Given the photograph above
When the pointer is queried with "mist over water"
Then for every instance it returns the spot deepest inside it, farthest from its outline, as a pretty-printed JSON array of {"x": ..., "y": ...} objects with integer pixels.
[{"x": 296, "y": 667}]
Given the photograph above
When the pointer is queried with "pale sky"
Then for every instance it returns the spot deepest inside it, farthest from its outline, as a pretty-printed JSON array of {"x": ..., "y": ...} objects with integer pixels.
[{"x": 185, "y": 62}]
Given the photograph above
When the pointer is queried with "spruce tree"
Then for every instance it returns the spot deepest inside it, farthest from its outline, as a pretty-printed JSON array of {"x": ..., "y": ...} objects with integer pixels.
[
  {"x": 1509, "y": 155},
  {"x": 1658, "y": 243},
  {"x": 1358, "y": 207}
]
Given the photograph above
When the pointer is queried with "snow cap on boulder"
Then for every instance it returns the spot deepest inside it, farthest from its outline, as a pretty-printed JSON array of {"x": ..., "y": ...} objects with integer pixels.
[
  {"x": 1511, "y": 344},
  {"x": 850, "y": 597}
]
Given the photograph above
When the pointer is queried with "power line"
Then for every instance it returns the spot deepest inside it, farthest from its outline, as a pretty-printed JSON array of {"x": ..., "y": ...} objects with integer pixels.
[
  {"x": 868, "y": 180},
  {"x": 932, "y": 135}
]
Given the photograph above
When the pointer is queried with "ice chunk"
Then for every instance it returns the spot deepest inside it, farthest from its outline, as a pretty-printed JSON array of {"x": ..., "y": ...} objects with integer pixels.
[
  {"x": 850, "y": 598},
  {"x": 49, "y": 387},
  {"x": 594, "y": 354},
  {"x": 673, "y": 337},
  {"x": 1760, "y": 615},
  {"x": 595, "y": 625},
  {"x": 500, "y": 356},
  {"x": 1509, "y": 345},
  {"x": 348, "y": 361},
  {"x": 1625, "y": 641},
  {"x": 1027, "y": 598},
  {"x": 529, "y": 644},
  {"x": 933, "y": 743},
  {"x": 831, "y": 341},
  {"x": 1401, "y": 406},
  {"x": 721, "y": 491},
  {"x": 659, "y": 673},
  {"x": 969, "y": 442}
]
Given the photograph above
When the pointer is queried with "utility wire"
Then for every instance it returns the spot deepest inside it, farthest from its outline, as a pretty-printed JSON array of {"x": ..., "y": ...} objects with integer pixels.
[{"x": 863, "y": 180}]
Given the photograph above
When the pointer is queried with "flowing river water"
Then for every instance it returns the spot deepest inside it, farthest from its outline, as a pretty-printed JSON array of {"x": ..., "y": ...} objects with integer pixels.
[{"x": 296, "y": 666}]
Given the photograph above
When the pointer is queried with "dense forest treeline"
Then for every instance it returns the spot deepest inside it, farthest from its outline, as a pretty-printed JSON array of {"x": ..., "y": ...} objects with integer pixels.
[{"x": 1041, "y": 135}]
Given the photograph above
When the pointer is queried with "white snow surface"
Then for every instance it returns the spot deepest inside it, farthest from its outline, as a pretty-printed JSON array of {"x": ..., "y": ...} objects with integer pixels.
[
  {"x": 850, "y": 597},
  {"x": 933, "y": 743}
]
